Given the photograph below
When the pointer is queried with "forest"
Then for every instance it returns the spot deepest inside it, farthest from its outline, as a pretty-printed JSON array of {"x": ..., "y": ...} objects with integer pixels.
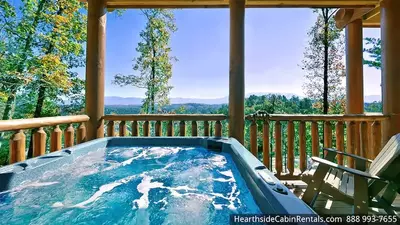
[{"x": 42, "y": 43}]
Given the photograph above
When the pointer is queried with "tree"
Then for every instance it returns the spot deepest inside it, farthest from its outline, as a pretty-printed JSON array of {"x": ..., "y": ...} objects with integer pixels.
[
  {"x": 154, "y": 64},
  {"x": 374, "y": 52},
  {"x": 323, "y": 61}
]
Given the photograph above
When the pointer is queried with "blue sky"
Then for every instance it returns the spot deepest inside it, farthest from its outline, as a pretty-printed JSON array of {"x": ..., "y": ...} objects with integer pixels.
[{"x": 275, "y": 41}]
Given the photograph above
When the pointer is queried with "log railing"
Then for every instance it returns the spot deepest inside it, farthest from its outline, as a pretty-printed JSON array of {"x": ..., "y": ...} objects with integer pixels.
[
  {"x": 284, "y": 142},
  {"x": 164, "y": 125},
  {"x": 39, "y": 125}
]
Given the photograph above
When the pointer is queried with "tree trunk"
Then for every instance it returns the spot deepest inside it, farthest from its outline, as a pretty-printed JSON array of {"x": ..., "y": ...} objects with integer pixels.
[
  {"x": 41, "y": 94},
  {"x": 20, "y": 68},
  {"x": 37, "y": 114},
  {"x": 326, "y": 59}
]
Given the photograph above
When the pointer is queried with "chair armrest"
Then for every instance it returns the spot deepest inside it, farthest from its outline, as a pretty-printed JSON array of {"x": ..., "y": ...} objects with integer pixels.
[
  {"x": 348, "y": 154},
  {"x": 346, "y": 169}
]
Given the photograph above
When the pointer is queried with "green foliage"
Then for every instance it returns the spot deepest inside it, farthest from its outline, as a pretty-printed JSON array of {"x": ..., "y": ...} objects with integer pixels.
[
  {"x": 374, "y": 50},
  {"x": 154, "y": 64},
  {"x": 323, "y": 64}
]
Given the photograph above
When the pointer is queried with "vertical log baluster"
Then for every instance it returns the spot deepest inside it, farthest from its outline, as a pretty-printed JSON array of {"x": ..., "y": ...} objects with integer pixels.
[
  {"x": 218, "y": 129},
  {"x": 376, "y": 138},
  {"x": 170, "y": 128},
  {"x": 302, "y": 147},
  {"x": 17, "y": 147},
  {"x": 351, "y": 133},
  {"x": 327, "y": 134},
  {"x": 39, "y": 142},
  {"x": 369, "y": 132},
  {"x": 182, "y": 128},
  {"x": 123, "y": 129},
  {"x": 364, "y": 142},
  {"x": 357, "y": 138},
  {"x": 314, "y": 138},
  {"x": 55, "y": 139},
  {"x": 253, "y": 138},
  {"x": 69, "y": 133},
  {"x": 194, "y": 129},
  {"x": 135, "y": 128},
  {"x": 340, "y": 140},
  {"x": 364, "y": 145},
  {"x": 278, "y": 148},
  {"x": 158, "y": 128},
  {"x": 110, "y": 129},
  {"x": 290, "y": 147},
  {"x": 146, "y": 128},
  {"x": 266, "y": 156},
  {"x": 81, "y": 133},
  {"x": 206, "y": 129}
]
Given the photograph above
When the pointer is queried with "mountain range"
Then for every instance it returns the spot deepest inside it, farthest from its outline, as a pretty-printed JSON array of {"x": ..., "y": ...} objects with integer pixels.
[{"x": 115, "y": 100}]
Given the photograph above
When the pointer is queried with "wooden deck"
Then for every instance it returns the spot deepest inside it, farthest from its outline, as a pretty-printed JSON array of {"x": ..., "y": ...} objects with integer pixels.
[{"x": 326, "y": 205}]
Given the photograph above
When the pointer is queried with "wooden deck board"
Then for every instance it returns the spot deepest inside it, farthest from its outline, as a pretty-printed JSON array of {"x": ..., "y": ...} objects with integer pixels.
[{"x": 325, "y": 204}]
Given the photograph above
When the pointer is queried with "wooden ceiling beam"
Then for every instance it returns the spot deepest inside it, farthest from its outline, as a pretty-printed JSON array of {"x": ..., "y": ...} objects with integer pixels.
[{"x": 249, "y": 3}]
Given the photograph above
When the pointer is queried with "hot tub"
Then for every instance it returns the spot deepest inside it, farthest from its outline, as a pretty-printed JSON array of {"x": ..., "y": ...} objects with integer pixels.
[{"x": 129, "y": 180}]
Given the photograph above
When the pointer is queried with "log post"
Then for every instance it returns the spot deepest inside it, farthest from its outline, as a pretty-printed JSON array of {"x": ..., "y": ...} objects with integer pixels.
[
  {"x": 170, "y": 128},
  {"x": 327, "y": 134},
  {"x": 377, "y": 139},
  {"x": 390, "y": 36},
  {"x": 81, "y": 133},
  {"x": 218, "y": 129},
  {"x": 314, "y": 139},
  {"x": 39, "y": 142},
  {"x": 278, "y": 147},
  {"x": 95, "y": 67},
  {"x": 302, "y": 147},
  {"x": 69, "y": 136},
  {"x": 55, "y": 139},
  {"x": 351, "y": 139},
  {"x": 364, "y": 140},
  {"x": 135, "y": 128},
  {"x": 17, "y": 147},
  {"x": 206, "y": 129},
  {"x": 158, "y": 128},
  {"x": 182, "y": 128},
  {"x": 236, "y": 70},
  {"x": 266, "y": 155},
  {"x": 146, "y": 128},
  {"x": 194, "y": 129},
  {"x": 290, "y": 147},
  {"x": 354, "y": 68},
  {"x": 253, "y": 138},
  {"x": 123, "y": 129},
  {"x": 340, "y": 140},
  {"x": 110, "y": 129}
]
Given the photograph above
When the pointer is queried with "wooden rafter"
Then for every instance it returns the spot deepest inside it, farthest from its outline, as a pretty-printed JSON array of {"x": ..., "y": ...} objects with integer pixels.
[
  {"x": 249, "y": 3},
  {"x": 370, "y": 16}
]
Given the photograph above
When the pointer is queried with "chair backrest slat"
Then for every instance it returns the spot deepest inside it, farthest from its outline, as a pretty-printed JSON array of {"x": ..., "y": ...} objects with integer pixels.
[{"x": 383, "y": 164}]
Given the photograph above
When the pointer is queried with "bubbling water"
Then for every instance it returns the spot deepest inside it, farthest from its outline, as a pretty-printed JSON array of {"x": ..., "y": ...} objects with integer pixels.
[{"x": 133, "y": 185}]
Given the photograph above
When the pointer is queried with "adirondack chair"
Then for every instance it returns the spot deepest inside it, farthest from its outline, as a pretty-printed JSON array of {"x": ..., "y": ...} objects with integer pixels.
[{"x": 376, "y": 186}]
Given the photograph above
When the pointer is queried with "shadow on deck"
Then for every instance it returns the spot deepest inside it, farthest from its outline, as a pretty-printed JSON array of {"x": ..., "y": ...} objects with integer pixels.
[{"x": 326, "y": 205}]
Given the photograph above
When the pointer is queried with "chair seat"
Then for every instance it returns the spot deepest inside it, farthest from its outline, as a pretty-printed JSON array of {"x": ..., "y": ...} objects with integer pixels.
[{"x": 336, "y": 179}]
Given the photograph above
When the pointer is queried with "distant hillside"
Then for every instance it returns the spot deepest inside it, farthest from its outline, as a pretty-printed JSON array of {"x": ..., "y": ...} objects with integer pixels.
[{"x": 115, "y": 100}]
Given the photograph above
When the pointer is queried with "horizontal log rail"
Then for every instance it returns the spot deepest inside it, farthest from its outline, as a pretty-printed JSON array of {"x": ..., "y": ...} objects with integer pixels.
[
  {"x": 317, "y": 117},
  {"x": 164, "y": 124},
  {"x": 38, "y": 127},
  {"x": 285, "y": 141},
  {"x": 9, "y": 125}
]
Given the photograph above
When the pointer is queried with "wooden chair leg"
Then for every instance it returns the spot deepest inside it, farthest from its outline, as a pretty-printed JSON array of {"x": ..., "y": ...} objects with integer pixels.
[
  {"x": 314, "y": 186},
  {"x": 361, "y": 198}
]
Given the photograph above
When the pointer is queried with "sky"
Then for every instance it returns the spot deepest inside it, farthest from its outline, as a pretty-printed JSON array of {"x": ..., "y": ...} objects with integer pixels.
[{"x": 275, "y": 40}]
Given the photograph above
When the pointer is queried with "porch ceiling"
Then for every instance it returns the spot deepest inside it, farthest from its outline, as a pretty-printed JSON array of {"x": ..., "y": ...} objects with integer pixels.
[
  {"x": 370, "y": 16},
  {"x": 249, "y": 3}
]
